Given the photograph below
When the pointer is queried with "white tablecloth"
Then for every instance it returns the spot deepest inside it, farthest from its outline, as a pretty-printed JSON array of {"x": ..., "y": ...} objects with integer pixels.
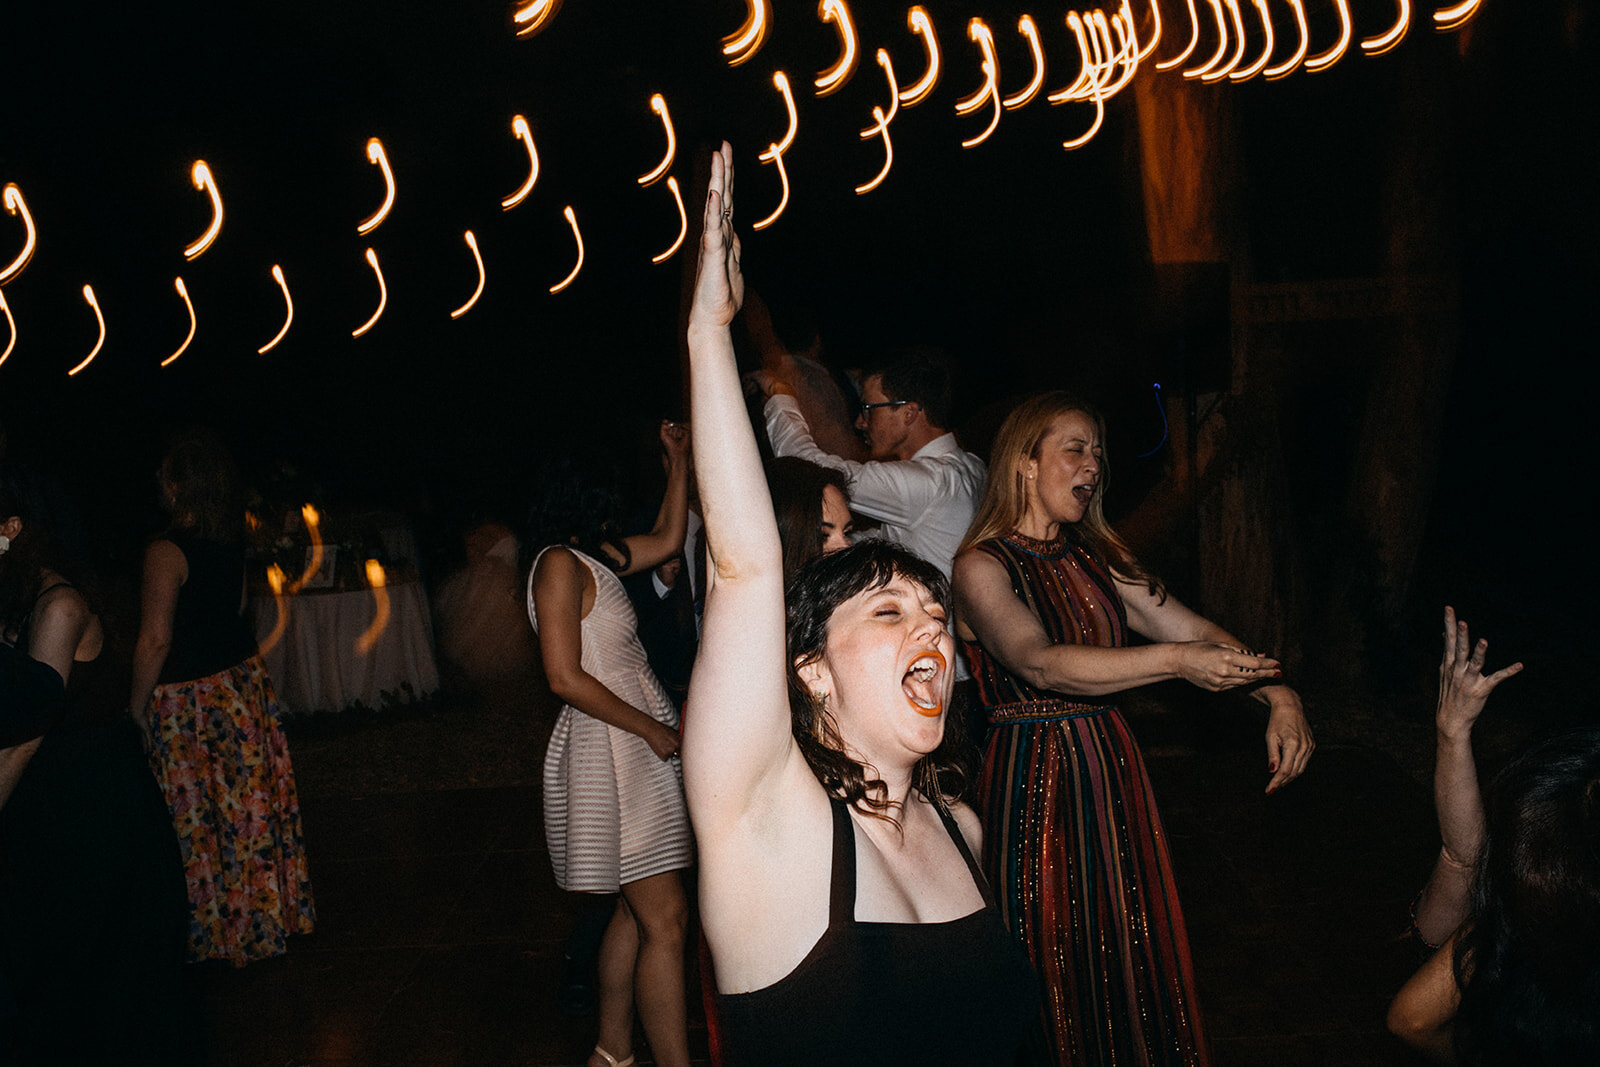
[{"x": 316, "y": 664}]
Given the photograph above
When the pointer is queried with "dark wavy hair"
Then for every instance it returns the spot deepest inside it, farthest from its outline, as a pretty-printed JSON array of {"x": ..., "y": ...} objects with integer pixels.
[
  {"x": 1528, "y": 961},
  {"x": 811, "y": 598},
  {"x": 207, "y": 498},
  {"x": 797, "y": 485},
  {"x": 920, "y": 374},
  {"x": 577, "y": 503}
]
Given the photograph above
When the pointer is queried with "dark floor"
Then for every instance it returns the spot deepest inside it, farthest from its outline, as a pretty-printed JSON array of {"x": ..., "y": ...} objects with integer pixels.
[{"x": 440, "y": 929}]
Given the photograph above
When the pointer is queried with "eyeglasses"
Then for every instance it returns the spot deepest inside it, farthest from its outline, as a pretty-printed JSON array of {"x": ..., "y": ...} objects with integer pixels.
[{"x": 867, "y": 408}]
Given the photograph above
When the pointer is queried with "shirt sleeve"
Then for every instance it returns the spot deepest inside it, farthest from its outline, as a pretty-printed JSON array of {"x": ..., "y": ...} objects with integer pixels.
[
  {"x": 31, "y": 694},
  {"x": 894, "y": 491}
]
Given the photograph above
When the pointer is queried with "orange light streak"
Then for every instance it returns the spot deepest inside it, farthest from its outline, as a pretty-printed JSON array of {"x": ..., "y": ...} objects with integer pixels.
[
  {"x": 834, "y": 78},
  {"x": 88, "y": 296},
  {"x": 534, "y": 16},
  {"x": 275, "y": 579},
  {"x": 572, "y": 220},
  {"x": 882, "y": 128},
  {"x": 980, "y": 33},
  {"x": 203, "y": 180},
  {"x": 1081, "y": 86},
  {"x": 1022, "y": 98},
  {"x": 314, "y": 531},
  {"x": 1126, "y": 55},
  {"x": 1194, "y": 39},
  {"x": 781, "y": 80},
  {"x": 288, "y": 312},
  {"x": 920, "y": 24},
  {"x": 380, "y": 619},
  {"x": 658, "y": 104},
  {"x": 1334, "y": 54},
  {"x": 376, "y": 154},
  {"x": 1455, "y": 16},
  {"x": 1288, "y": 65},
  {"x": 1089, "y": 49},
  {"x": 1228, "y": 68},
  {"x": 894, "y": 96},
  {"x": 5, "y": 309},
  {"x": 1384, "y": 42},
  {"x": 683, "y": 222},
  {"x": 1155, "y": 28},
  {"x": 472, "y": 243},
  {"x": 177, "y": 283},
  {"x": 520, "y": 130},
  {"x": 383, "y": 296},
  {"x": 774, "y": 155},
  {"x": 15, "y": 205},
  {"x": 747, "y": 40},
  {"x": 1259, "y": 65},
  {"x": 1222, "y": 41}
]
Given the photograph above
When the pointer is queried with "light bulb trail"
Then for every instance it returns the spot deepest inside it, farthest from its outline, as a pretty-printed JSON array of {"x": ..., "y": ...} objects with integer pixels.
[
  {"x": 520, "y": 130},
  {"x": 1194, "y": 40},
  {"x": 834, "y": 78},
  {"x": 533, "y": 16},
  {"x": 376, "y": 155},
  {"x": 774, "y": 156},
  {"x": 1378, "y": 44},
  {"x": 16, "y": 205},
  {"x": 383, "y": 296},
  {"x": 577, "y": 235},
  {"x": 658, "y": 104},
  {"x": 88, "y": 297},
  {"x": 747, "y": 40},
  {"x": 288, "y": 312},
  {"x": 1327, "y": 59},
  {"x": 204, "y": 181},
  {"x": 1246, "y": 73},
  {"x": 477, "y": 257},
  {"x": 683, "y": 222},
  {"x": 1025, "y": 95},
  {"x": 177, "y": 283},
  {"x": 1283, "y": 69},
  {"x": 919, "y": 22}
]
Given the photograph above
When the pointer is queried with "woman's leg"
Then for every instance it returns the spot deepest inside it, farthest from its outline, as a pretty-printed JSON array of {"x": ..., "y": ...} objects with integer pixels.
[
  {"x": 619, "y": 950},
  {"x": 661, "y": 911}
]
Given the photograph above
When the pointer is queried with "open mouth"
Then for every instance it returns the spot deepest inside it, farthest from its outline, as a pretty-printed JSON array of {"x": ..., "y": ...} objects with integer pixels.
[
  {"x": 1084, "y": 493},
  {"x": 921, "y": 683}
]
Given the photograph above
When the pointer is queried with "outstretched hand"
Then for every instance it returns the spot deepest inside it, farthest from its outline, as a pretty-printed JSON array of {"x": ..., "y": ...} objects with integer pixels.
[
  {"x": 719, "y": 283},
  {"x": 1463, "y": 687},
  {"x": 1217, "y": 667}
]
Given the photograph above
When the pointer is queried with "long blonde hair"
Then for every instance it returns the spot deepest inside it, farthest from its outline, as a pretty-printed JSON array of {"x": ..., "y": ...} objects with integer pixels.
[{"x": 1005, "y": 497}]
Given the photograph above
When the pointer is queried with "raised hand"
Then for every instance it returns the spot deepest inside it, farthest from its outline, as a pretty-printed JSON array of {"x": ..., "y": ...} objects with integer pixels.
[
  {"x": 1218, "y": 667},
  {"x": 719, "y": 283},
  {"x": 1463, "y": 687},
  {"x": 675, "y": 440}
]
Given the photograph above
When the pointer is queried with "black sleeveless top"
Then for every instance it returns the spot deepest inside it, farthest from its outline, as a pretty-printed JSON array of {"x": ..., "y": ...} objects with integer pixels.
[
  {"x": 958, "y": 992},
  {"x": 208, "y": 633}
]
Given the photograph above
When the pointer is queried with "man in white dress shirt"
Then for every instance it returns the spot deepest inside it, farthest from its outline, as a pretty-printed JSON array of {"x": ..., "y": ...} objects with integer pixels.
[{"x": 920, "y": 484}]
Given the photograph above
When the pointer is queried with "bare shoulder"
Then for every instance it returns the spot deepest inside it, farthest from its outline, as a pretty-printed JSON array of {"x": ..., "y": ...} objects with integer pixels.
[
  {"x": 165, "y": 558},
  {"x": 969, "y": 825},
  {"x": 63, "y": 606}
]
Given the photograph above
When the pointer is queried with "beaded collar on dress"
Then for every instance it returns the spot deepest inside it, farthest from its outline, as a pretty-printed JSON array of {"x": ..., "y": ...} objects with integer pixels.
[{"x": 1054, "y": 548}]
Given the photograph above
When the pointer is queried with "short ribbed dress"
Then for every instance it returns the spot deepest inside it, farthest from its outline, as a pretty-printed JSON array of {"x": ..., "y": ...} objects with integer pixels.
[
  {"x": 613, "y": 811},
  {"x": 1072, "y": 841}
]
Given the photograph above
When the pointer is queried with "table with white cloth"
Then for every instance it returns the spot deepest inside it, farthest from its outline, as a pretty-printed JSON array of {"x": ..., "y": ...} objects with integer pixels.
[{"x": 319, "y": 663}]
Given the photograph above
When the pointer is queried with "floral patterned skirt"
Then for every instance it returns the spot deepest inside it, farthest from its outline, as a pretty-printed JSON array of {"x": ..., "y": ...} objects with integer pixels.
[{"x": 218, "y": 750}]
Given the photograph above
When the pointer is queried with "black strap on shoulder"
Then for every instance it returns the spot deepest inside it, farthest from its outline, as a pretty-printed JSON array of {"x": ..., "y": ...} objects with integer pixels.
[
  {"x": 842, "y": 879},
  {"x": 961, "y": 846}
]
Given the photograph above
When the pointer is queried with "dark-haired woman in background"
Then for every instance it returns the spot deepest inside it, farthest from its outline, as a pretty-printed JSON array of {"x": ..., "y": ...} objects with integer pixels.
[
  {"x": 614, "y": 812},
  {"x": 813, "y": 510},
  {"x": 91, "y": 890},
  {"x": 211, "y": 722}
]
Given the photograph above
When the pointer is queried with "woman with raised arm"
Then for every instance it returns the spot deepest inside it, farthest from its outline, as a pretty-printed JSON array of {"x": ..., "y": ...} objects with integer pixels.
[
  {"x": 846, "y": 915},
  {"x": 1046, "y": 595},
  {"x": 613, "y": 796}
]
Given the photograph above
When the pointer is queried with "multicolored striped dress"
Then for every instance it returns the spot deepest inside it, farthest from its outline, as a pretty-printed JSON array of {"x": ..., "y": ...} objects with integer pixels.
[{"x": 1072, "y": 841}]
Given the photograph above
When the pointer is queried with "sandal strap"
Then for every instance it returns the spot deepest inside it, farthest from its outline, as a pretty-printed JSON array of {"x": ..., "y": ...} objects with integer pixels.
[{"x": 611, "y": 1060}]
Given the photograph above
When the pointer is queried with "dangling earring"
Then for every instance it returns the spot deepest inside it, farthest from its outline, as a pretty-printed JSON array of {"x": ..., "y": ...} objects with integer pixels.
[{"x": 5, "y": 544}]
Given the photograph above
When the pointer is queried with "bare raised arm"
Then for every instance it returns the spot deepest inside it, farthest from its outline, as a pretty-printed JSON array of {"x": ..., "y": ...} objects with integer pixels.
[
  {"x": 665, "y": 539},
  {"x": 736, "y": 738}
]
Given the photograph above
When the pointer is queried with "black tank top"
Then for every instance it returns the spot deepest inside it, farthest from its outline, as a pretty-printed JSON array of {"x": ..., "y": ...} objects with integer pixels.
[
  {"x": 958, "y": 992},
  {"x": 208, "y": 633}
]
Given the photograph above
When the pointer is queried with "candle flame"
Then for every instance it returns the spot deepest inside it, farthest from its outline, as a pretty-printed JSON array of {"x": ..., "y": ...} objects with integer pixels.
[
  {"x": 376, "y": 154},
  {"x": 520, "y": 130},
  {"x": 921, "y": 24},
  {"x": 177, "y": 283},
  {"x": 773, "y": 155},
  {"x": 683, "y": 222},
  {"x": 747, "y": 40},
  {"x": 572, "y": 220},
  {"x": 383, "y": 296},
  {"x": 204, "y": 181},
  {"x": 834, "y": 78},
  {"x": 88, "y": 296},
  {"x": 658, "y": 104},
  {"x": 16, "y": 205},
  {"x": 288, "y": 312}
]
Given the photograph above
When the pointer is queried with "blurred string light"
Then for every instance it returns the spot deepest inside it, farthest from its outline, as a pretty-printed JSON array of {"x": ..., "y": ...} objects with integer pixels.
[
  {"x": 1378, "y": 44},
  {"x": 683, "y": 222},
  {"x": 1025, "y": 95},
  {"x": 1155, "y": 26},
  {"x": 1089, "y": 83},
  {"x": 288, "y": 312},
  {"x": 1327, "y": 59},
  {"x": 834, "y": 78},
  {"x": 1298, "y": 56},
  {"x": 520, "y": 130},
  {"x": 918, "y": 21},
  {"x": 5, "y": 309},
  {"x": 747, "y": 40},
  {"x": 979, "y": 32},
  {"x": 1455, "y": 16},
  {"x": 577, "y": 235},
  {"x": 781, "y": 80},
  {"x": 881, "y": 127},
  {"x": 658, "y": 104},
  {"x": 16, "y": 205},
  {"x": 1246, "y": 73},
  {"x": 313, "y": 521},
  {"x": 204, "y": 181},
  {"x": 380, "y": 616},
  {"x": 1236, "y": 17},
  {"x": 275, "y": 581},
  {"x": 177, "y": 283},
  {"x": 472, "y": 243},
  {"x": 376, "y": 154},
  {"x": 94, "y": 305},
  {"x": 533, "y": 16},
  {"x": 383, "y": 296},
  {"x": 1194, "y": 40},
  {"x": 1221, "y": 18},
  {"x": 774, "y": 155}
]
